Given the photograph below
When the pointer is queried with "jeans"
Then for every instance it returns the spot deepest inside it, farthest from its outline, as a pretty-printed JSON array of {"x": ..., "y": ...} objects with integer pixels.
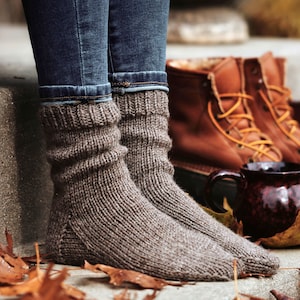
[{"x": 85, "y": 50}]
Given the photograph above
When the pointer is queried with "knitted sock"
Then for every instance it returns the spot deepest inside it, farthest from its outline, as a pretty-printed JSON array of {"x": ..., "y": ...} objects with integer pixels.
[
  {"x": 99, "y": 215},
  {"x": 144, "y": 130}
]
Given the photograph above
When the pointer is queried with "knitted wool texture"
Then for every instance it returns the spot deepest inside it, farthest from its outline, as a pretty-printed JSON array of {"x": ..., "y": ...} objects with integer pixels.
[
  {"x": 144, "y": 131},
  {"x": 99, "y": 215}
]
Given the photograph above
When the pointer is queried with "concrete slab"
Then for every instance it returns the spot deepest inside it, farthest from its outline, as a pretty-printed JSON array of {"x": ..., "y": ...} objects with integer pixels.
[{"x": 286, "y": 281}]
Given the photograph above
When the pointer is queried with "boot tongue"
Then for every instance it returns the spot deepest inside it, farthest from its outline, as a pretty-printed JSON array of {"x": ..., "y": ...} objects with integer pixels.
[
  {"x": 270, "y": 69},
  {"x": 228, "y": 80},
  {"x": 228, "y": 76}
]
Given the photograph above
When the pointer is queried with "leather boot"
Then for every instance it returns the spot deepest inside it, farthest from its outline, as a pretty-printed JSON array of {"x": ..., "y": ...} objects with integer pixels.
[
  {"x": 211, "y": 125},
  {"x": 271, "y": 107},
  {"x": 210, "y": 121}
]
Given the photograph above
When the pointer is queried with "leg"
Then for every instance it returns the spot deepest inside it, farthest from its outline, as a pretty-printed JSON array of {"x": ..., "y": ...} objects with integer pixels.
[
  {"x": 98, "y": 214},
  {"x": 144, "y": 128}
]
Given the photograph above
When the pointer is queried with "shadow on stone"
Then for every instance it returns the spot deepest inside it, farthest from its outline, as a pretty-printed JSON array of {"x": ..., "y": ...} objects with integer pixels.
[{"x": 26, "y": 188}]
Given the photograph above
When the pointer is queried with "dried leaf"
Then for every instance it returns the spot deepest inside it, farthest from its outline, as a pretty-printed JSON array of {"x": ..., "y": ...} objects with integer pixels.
[
  {"x": 43, "y": 285},
  {"x": 55, "y": 288},
  {"x": 118, "y": 276},
  {"x": 152, "y": 296},
  {"x": 30, "y": 284},
  {"x": 280, "y": 296},
  {"x": 38, "y": 285},
  {"x": 226, "y": 218},
  {"x": 287, "y": 238},
  {"x": 12, "y": 268},
  {"x": 124, "y": 295},
  {"x": 7, "y": 249}
]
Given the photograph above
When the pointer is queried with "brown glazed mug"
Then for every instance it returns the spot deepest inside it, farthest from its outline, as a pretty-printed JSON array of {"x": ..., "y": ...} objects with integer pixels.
[{"x": 268, "y": 196}]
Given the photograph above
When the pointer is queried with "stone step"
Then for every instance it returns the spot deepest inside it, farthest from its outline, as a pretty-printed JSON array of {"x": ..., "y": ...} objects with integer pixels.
[{"x": 26, "y": 188}]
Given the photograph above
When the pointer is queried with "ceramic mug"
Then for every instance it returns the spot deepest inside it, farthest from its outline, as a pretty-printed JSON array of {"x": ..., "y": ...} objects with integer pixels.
[{"x": 267, "y": 199}]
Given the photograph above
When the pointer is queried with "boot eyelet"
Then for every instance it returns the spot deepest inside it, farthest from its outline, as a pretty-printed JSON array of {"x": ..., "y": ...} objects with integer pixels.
[
  {"x": 227, "y": 132},
  {"x": 254, "y": 71},
  {"x": 204, "y": 84},
  {"x": 251, "y": 160},
  {"x": 240, "y": 146},
  {"x": 265, "y": 108},
  {"x": 259, "y": 83}
]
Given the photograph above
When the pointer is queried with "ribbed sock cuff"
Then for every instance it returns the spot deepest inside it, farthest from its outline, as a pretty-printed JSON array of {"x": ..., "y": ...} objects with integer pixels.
[
  {"x": 143, "y": 103},
  {"x": 69, "y": 117}
]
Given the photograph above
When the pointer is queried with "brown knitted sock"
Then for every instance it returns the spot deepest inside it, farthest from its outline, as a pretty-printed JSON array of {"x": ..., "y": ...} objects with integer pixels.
[
  {"x": 144, "y": 130},
  {"x": 99, "y": 215}
]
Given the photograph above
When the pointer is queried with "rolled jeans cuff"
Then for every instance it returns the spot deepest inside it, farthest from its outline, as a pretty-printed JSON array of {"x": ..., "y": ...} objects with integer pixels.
[
  {"x": 69, "y": 94},
  {"x": 131, "y": 82}
]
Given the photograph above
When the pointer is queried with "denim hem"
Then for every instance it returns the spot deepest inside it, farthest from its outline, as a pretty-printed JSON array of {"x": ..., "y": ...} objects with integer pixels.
[
  {"x": 57, "y": 91},
  {"x": 130, "y": 82},
  {"x": 68, "y": 94},
  {"x": 76, "y": 100}
]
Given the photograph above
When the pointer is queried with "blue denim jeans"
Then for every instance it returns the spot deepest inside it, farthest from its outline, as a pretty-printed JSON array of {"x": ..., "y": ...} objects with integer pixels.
[{"x": 85, "y": 50}]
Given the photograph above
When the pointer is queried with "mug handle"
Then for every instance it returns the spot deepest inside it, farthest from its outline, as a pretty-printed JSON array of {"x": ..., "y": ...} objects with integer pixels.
[{"x": 219, "y": 175}]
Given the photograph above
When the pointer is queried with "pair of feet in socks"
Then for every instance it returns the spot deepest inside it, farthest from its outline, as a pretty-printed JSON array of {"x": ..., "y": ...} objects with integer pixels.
[{"x": 124, "y": 209}]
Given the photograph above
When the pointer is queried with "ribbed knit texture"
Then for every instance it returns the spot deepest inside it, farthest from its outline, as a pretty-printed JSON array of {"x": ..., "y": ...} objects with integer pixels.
[
  {"x": 144, "y": 131},
  {"x": 99, "y": 215}
]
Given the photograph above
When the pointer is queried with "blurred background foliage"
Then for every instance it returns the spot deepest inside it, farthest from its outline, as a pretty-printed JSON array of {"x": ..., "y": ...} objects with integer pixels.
[{"x": 265, "y": 17}]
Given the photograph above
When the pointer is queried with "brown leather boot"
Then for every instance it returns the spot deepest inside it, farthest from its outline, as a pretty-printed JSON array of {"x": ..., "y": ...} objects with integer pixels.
[
  {"x": 210, "y": 123},
  {"x": 271, "y": 109}
]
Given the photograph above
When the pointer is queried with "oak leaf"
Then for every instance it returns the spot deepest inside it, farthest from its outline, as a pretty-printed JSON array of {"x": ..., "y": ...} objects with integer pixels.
[
  {"x": 43, "y": 285},
  {"x": 53, "y": 287},
  {"x": 124, "y": 295},
  {"x": 12, "y": 268},
  {"x": 7, "y": 249},
  {"x": 288, "y": 238},
  {"x": 37, "y": 284},
  {"x": 119, "y": 276},
  {"x": 227, "y": 218}
]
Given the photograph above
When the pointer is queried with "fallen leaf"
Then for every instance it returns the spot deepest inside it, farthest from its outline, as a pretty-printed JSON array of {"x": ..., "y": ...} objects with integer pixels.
[
  {"x": 37, "y": 284},
  {"x": 124, "y": 295},
  {"x": 119, "y": 276},
  {"x": 287, "y": 238},
  {"x": 12, "y": 268},
  {"x": 227, "y": 218},
  {"x": 43, "y": 285},
  {"x": 280, "y": 296},
  {"x": 7, "y": 249},
  {"x": 53, "y": 288},
  {"x": 30, "y": 284},
  {"x": 152, "y": 296}
]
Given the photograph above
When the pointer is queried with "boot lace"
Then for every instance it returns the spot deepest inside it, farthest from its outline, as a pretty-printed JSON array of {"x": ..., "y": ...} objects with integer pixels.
[
  {"x": 281, "y": 111},
  {"x": 262, "y": 146}
]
